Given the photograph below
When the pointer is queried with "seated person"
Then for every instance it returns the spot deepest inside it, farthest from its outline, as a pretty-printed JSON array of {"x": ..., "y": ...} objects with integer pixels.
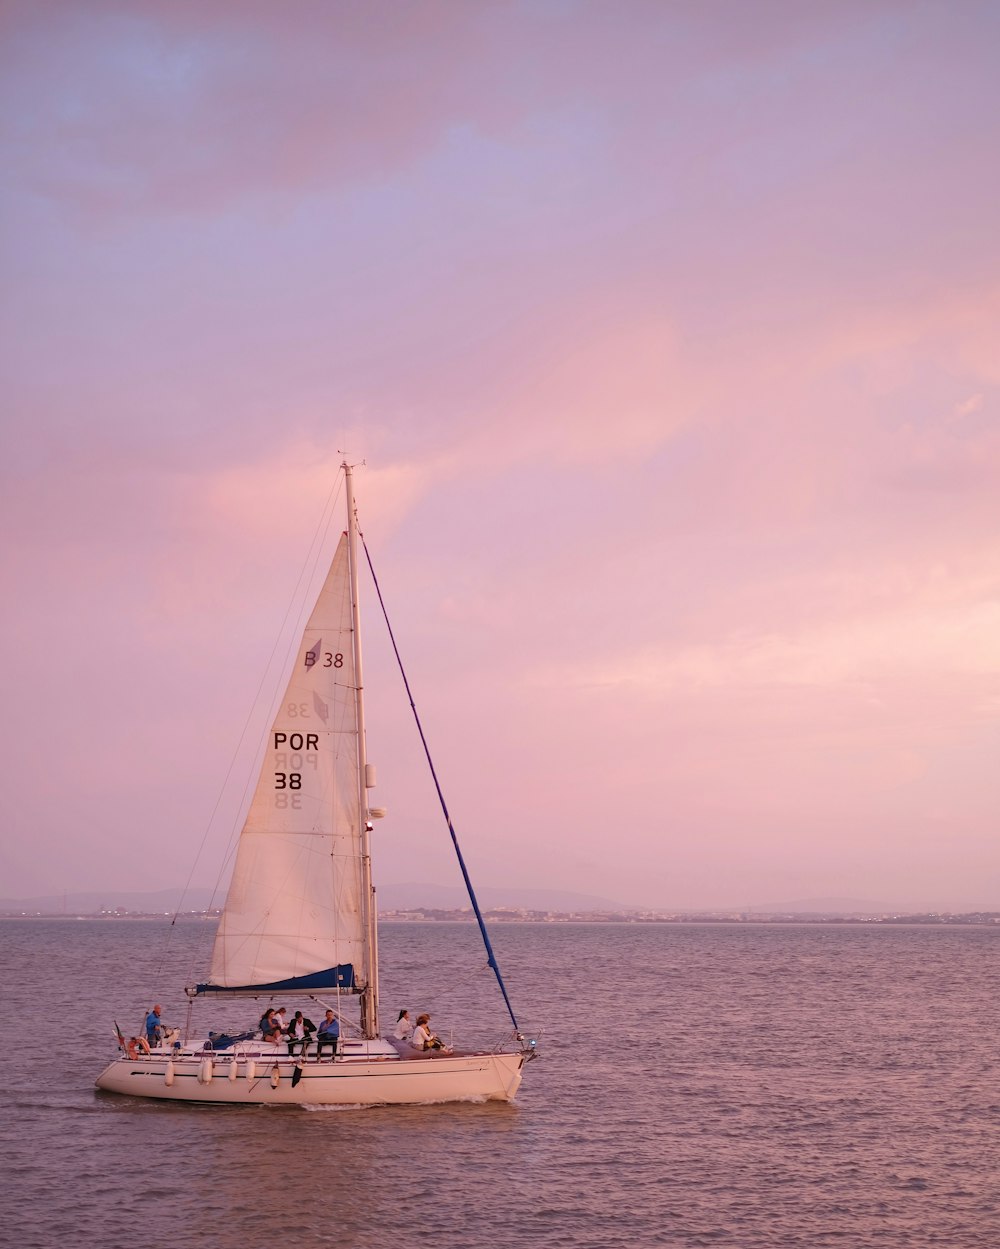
[
  {"x": 300, "y": 1032},
  {"x": 328, "y": 1034},
  {"x": 423, "y": 1038},
  {"x": 270, "y": 1029}
]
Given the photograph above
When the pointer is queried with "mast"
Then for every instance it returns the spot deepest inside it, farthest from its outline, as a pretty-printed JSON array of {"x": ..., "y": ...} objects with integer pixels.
[{"x": 369, "y": 995}]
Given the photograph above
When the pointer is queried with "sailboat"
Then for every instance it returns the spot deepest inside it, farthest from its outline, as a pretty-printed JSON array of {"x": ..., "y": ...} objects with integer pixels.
[{"x": 300, "y": 920}]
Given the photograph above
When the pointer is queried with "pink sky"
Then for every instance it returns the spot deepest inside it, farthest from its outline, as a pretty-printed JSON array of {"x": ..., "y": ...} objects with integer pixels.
[{"x": 670, "y": 333}]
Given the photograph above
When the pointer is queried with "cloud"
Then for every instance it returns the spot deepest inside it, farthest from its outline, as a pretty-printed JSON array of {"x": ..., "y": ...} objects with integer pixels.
[
  {"x": 967, "y": 407},
  {"x": 190, "y": 107},
  {"x": 671, "y": 349},
  {"x": 892, "y": 649}
]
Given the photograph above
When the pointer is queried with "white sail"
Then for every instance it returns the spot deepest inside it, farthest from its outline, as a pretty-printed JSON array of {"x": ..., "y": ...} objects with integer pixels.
[{"x": 294, "y": 907}]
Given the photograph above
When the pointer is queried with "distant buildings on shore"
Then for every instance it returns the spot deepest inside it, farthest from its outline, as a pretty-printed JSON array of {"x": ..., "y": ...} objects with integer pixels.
[{"x": 520, "y": 915}]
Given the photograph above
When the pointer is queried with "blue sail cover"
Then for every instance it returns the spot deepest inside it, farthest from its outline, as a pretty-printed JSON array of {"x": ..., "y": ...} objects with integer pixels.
[{"x": 340, "y": 977}]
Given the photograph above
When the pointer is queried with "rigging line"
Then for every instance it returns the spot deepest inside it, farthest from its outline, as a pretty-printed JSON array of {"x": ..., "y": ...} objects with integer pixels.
[
  {"x": 306, "y": 572},
  {"x": 299, "y": 600},
  {"x": 490, "y": 956}
]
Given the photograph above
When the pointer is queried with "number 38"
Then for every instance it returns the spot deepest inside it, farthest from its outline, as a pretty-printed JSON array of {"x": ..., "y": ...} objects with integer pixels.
[{"x": 330, "y": 660}]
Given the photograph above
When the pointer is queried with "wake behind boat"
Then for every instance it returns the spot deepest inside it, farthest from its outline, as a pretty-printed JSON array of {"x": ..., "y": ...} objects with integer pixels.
[{"x": 300, "y": 920}]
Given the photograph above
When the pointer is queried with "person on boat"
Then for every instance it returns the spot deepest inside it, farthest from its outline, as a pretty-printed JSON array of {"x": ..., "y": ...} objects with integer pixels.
[
  {"x": 423, "y": 1038},
  {"x": 404, "y": 1026},
  {"x": 155, "y": 1028},
  {"x": 328, "y": 1034},
  {"x": 300, "y": 1032},
  {"x": 136, "y": 1044},
  {"x": 281, "y": 1021},
  {"x": 269, "y": 1028}
]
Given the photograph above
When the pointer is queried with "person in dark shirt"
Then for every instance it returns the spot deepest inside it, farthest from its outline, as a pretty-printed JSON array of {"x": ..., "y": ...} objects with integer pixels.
[{"x": 300, "y": 1032}]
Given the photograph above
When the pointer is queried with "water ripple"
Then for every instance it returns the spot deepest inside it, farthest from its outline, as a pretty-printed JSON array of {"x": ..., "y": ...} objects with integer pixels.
[{"x": 747, "y": 1087}]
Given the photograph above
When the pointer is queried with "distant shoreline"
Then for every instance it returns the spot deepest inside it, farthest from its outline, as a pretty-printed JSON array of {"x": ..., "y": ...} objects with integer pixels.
[{"x": 984, "y": 919}]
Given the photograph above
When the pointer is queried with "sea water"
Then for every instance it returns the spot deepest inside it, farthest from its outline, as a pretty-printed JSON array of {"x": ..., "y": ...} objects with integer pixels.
[{"x": 750, "y": 1086}]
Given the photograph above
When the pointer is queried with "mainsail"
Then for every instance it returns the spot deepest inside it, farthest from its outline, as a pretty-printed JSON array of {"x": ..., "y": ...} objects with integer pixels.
[{"x": 294, "y": 915}]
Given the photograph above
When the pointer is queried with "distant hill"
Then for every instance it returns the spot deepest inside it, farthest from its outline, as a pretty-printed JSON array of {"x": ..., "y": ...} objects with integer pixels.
[
  {"x": 826, "y": 906},
  {"x": 413, "y": 895},
  {"x": 390, "y": 898},
  {"x": 453, "y": 897}
]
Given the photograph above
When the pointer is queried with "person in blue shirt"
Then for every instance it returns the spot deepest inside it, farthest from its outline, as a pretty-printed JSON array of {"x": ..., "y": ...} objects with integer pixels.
[
  {"x": 270, "y": 1028},
  {"x": 328, "y": 1034},
  {"x": 154, "y": 1027}
]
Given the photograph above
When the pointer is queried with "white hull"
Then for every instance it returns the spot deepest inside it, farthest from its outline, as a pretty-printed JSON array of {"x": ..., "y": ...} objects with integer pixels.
[{"x": 346, "y": 1081}]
